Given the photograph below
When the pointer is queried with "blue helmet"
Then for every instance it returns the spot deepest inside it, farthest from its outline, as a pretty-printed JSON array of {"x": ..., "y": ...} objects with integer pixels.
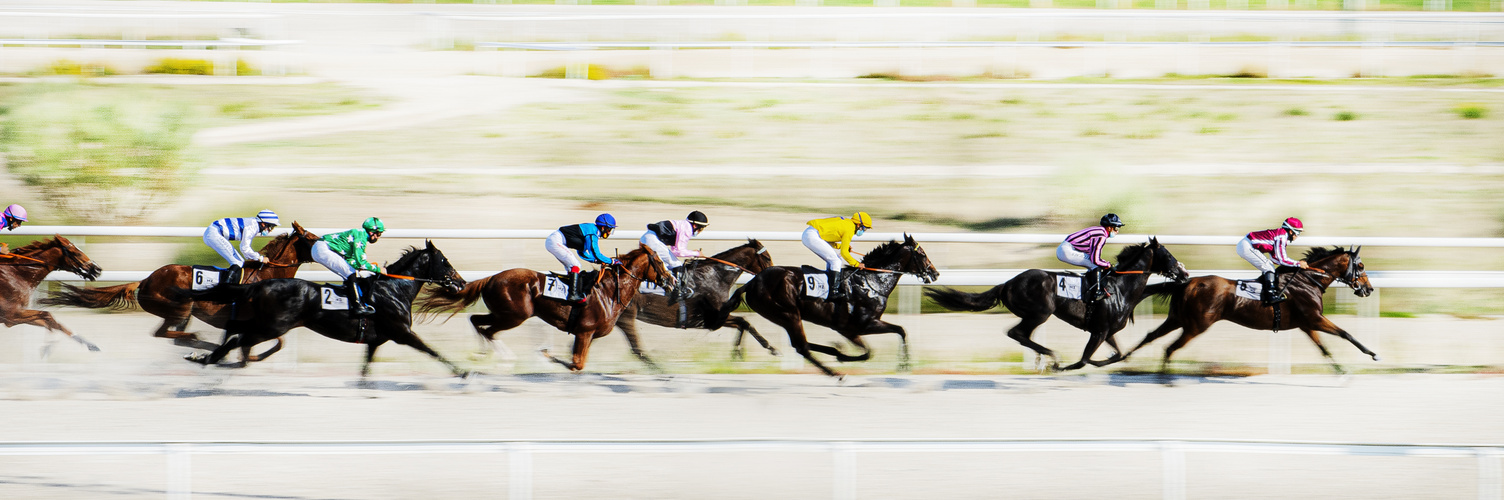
[{"x": 606, "y": 220}]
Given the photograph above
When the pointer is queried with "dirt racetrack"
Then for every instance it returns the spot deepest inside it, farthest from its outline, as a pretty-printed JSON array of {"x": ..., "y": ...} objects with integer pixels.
[{"x": 136, "y": 390}]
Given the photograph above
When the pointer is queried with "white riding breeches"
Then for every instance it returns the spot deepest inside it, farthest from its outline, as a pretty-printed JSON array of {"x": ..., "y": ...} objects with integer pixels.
[
  {"x": 323, "y": 255},
  {"x": 554, "y": 243},
  {"x": 669, "y": 260},
  {"x": 1069, "y": 255},
  {"x": 1254, "y": 256},
  {"x": 831, "y": 256},
  {"x": 222, "y": 247}
]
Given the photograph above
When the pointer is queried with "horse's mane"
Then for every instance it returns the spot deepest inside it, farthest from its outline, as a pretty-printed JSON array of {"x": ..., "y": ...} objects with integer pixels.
[
  {"x": 1132, "y": 253},
  {"x": 751, "y": 243},
  {"x": 407, "y": 258},
  {"x": 36, "y": 246},
  {"x": 884, "y": 254},
  {"x": 281, "y": 238},
  {"x": 1318, "y": 253}
]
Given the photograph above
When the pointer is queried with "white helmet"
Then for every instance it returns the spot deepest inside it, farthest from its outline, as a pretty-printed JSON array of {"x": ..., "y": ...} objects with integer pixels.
[{"x": 268, "y": 217}]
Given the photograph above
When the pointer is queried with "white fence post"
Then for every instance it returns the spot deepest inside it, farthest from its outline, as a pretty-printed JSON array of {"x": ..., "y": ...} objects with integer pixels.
[
  {"x": 520, "y": 471},
  {"x": 1488, "y": 474},
  {"x": 179, "y": 471},
  {"x": 843, "y": 471},
  {"x": 1173, "y": 457}
]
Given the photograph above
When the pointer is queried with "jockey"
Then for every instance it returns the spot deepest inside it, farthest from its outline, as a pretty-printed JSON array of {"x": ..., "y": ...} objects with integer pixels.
[
  {"x": 221, "y": 232},
  {"x": 1273, "y": 242},
  {"x": 583, "y": 239},
  {"x": 1084, "y": 248},
  {"x": 345, "y": 254},
  {"x": 830, "y": 239},
  {"x": 669, "y": 239},
  {"x": 12, "y": 218}
]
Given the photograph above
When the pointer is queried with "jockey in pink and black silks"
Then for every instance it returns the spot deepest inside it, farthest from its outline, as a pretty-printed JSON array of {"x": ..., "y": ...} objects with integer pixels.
[
  {"x": 669, "y": 239},
  {"x": 1084, "y": 248},
  {"x": 1273, "y": 242}
]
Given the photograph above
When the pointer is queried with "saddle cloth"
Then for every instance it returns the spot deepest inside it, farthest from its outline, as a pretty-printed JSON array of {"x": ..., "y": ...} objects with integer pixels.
[
  {"x": 816, "y": 283},
  {"x": 205, "y": 277},
  {"x": 556, "y": 286},
  {"x": 1249, "y": 289},
  {"x": 333, "y": 298},
  {"x": 1068, "y": 286}
]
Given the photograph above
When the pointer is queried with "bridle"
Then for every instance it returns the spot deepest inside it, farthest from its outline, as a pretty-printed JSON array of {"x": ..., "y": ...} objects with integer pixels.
[{"x": 908, "y": 262}]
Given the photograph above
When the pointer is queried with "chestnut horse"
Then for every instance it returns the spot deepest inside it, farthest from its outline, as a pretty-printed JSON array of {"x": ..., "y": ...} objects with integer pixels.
[
  {"x": 514, "y": 295},
  {"x": 778, "y": 294},
  {"x": 709, "y": 281},
  {"x": 1031, "y": 296},
  {"x": 23, "y": 268},
  {"x": 155, "y": 294},
  {"x": 1195, "y": 305}
]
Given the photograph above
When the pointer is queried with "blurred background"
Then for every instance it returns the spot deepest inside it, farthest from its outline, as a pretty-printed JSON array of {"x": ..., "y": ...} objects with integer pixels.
[{"x": 1364, "y": 118}]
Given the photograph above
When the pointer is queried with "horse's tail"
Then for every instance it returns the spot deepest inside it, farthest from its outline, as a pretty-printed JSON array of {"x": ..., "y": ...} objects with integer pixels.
[
  {"x": 957, "y": 300},
  {"x": 118, "y": 297},
  {"x": 223, "y": 293},
  {"x": 734, "y": 301},
  {"x": 1168, "y": 291},
  {"x": 439, "y": 299}
]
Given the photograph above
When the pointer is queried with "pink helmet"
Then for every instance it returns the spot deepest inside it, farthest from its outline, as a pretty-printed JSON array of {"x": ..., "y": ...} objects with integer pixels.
[
  {"x": 1293, "y": 224},
  {"x": 16, "y": 212}
]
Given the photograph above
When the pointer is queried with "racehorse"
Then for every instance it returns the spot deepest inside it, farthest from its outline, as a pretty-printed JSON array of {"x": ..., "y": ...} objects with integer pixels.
[
  {"x": 709, "y": 281},
  {"x": 1032, "y": 297},
  {"x": 268, "y": 309},
  {"x": 514, "y": 295},
  {"x": 778, "y": 294},
  {"x": 1195, "y": 305},
  {"x": 157, "y": 293},
  {"x": 23, "y": 268}
]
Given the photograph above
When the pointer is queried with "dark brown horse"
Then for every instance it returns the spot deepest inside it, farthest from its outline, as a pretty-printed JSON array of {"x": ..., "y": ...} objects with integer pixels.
[
  {"x": 1031, "y": 296},
  {"x": 514, "y": 295},
  {"x": 23, "y": 268},
  {"x": 709, "y": 281},
  {"x": 156, "y": 294},
  {"x": 778, "y": 295},
  {"x": 1195, "y": 305}
]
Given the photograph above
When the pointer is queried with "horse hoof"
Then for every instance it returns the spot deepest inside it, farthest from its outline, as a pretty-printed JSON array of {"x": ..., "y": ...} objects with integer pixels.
[{"x": 1376, "y": 357}]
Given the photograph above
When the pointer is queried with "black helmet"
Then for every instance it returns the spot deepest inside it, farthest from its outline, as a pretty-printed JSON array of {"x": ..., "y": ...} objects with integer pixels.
[
  {"x": 698, "y": 218},
  {"x": 1112, "y": 220}
]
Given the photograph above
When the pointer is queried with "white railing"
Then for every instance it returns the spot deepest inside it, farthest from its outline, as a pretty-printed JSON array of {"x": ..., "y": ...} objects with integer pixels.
[
  {"x": 101, "y": 42},
  {"x": 519, "y": 454},
  {"x": 958, "y": 44}
]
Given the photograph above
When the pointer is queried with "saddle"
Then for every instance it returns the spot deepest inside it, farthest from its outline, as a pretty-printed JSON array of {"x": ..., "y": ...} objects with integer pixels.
[
  {"x": 588, "y": 280},
  {"x": 205, "y": 277}
]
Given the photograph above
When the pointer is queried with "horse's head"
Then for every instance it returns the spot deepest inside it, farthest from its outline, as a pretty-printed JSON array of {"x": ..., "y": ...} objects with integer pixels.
[
  {"x": 1165, "y": 264},
  {"x": 303, "y": 241},
  {"x": 645, "y": 265},
  {"x": 1343, "y": 265},
  {"x": 428, "y": 263},
  {"x": 906, "y": 257},
  {"x": 752, "y": 256},
  {"x": 68, "y": 257},
  {"x": 292, "y": 248}
]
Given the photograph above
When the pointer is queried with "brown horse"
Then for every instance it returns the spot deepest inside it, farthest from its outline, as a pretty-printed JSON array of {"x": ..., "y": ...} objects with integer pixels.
[
  {"x": 778, "y": 294},
  {"x": 1195, "y": 305},
  {"x": 23, "y": 268},
  {"x": 514, "y": 295},
  {"x": 157, "y": 293},
  {"x": 708, "y": 282}
]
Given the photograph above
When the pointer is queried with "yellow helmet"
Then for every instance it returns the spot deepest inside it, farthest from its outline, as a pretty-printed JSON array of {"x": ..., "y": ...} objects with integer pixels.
[{"x": 862, "y": 219}]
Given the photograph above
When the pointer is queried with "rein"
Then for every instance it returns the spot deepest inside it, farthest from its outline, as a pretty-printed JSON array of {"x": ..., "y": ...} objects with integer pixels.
[
  {"x": 34, "y": 261},
  {"x": 713, "y": 259}
]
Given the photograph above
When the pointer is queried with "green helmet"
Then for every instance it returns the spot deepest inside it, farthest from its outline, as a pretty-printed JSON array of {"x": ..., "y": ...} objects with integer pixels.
[{"x": 373, "y": 225}]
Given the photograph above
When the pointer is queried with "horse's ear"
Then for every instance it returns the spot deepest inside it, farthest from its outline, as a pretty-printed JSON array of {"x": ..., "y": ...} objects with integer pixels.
[
  {"x": 297, "y": 228},
  {"x": 908, "y": 239},
  {"x": 428, "y": 243},
  {"x": 1154, "y": 241},
  {"x": 1360, "y": 249}
]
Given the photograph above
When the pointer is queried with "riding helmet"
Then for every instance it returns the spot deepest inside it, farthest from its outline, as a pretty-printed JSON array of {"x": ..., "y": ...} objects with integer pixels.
[
  {"x": 268, "y": 217},
  {"x": 373, "y": 225},
  {"x": 606, "y": 220},
  {"x": 697, "y": 218},
  {"x": 1293, "y": 225},
  {"x": 862, "y": 219},
  {"x": 1112, "y": 220},
  {"x": 16, "y": 212}
]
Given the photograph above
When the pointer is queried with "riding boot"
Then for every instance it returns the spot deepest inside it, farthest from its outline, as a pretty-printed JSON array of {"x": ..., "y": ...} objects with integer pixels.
[
  {"x": 1096, "y": 286},
  {"x": 681, "y": 289},
  {"x": 353, "y": 289},
  {"x": 836, "y": 285},
  {"x": 1271, "y": 293},
  {"x": 576, "y": 292},
  {"x": 232, "y": 275}
]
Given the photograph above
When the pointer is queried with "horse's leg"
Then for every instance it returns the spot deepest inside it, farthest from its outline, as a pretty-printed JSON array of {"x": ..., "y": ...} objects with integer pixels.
[
  {"x": 1024, "y": 330},
  {"x": 581, "y": 350},
  {"x": 1117, "y": 352},
  {"x": 365, "y": 368},
  {"x": 1186, "y": 334},
  {"x": 801, "y": 345},
  {"x": 232, "y": 341},
  {"x": 1092, "y": 344},
  {"x": 403, "y": 334},
  {"x": 880, "y": 326},
  {"x": 277, "y": 346},
  {"x": 44, "y": 319},
  {"x": 1327, "y": 326},
  {"x": 744, "y": 327},
  {"x": 1313, "y": 334},
  {"x": 1171, "y": 324},
  {"x": 627, "y": 321},
  {"x": 487, "y": 325}
]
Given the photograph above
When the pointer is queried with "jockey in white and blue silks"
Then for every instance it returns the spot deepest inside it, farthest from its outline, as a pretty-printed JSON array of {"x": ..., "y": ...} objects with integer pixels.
[{"x": 220, "y": 233}]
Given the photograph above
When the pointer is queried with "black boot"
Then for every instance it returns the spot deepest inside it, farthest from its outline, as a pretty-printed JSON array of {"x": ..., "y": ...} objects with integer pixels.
[
  {"x": 232, "y": 275},
  {"x": 836, "y": 284},
  {"x": 1271, "y": 293},
  {"x": 353, "y": 289},
  {"x": 1095, "y": 286},
  {"x": 681, "y": 289},
  {"x": 576, "y": 292}
]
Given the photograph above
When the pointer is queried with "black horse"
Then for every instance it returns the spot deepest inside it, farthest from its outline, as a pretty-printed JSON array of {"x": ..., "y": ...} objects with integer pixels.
[
  {"x": 1032, "y": 297},
  {"x": 778, "y": 294},
  {"x": 709, "y": 281},
  {"x": 268, "y": 309}
]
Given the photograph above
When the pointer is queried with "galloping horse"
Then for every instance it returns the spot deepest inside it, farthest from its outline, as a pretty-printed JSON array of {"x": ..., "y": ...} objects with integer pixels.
[
  {"x": 23, "y": 268},
  {"x": 156, "y": 294},
  {"x": 710, "y": 279},
  {"x": 1032, "y": 297},
  {"x": 1195, "y": 305},
  {"x": 514, "y": 295},
  {"x": 777, "y": 294},
  {"x": 268, "y": 309}
]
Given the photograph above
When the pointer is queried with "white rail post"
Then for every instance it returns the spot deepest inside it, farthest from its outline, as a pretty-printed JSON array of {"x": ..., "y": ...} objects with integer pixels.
[
  {"x": 843, "y": 471},
  {"x": 1279, "y": 352},
  {"x": 179, "y": 471},
  {"x": 1173, "y": 457},
  {"x": 520, "y": 471},
  {"x": 1488, "y": 474}
]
